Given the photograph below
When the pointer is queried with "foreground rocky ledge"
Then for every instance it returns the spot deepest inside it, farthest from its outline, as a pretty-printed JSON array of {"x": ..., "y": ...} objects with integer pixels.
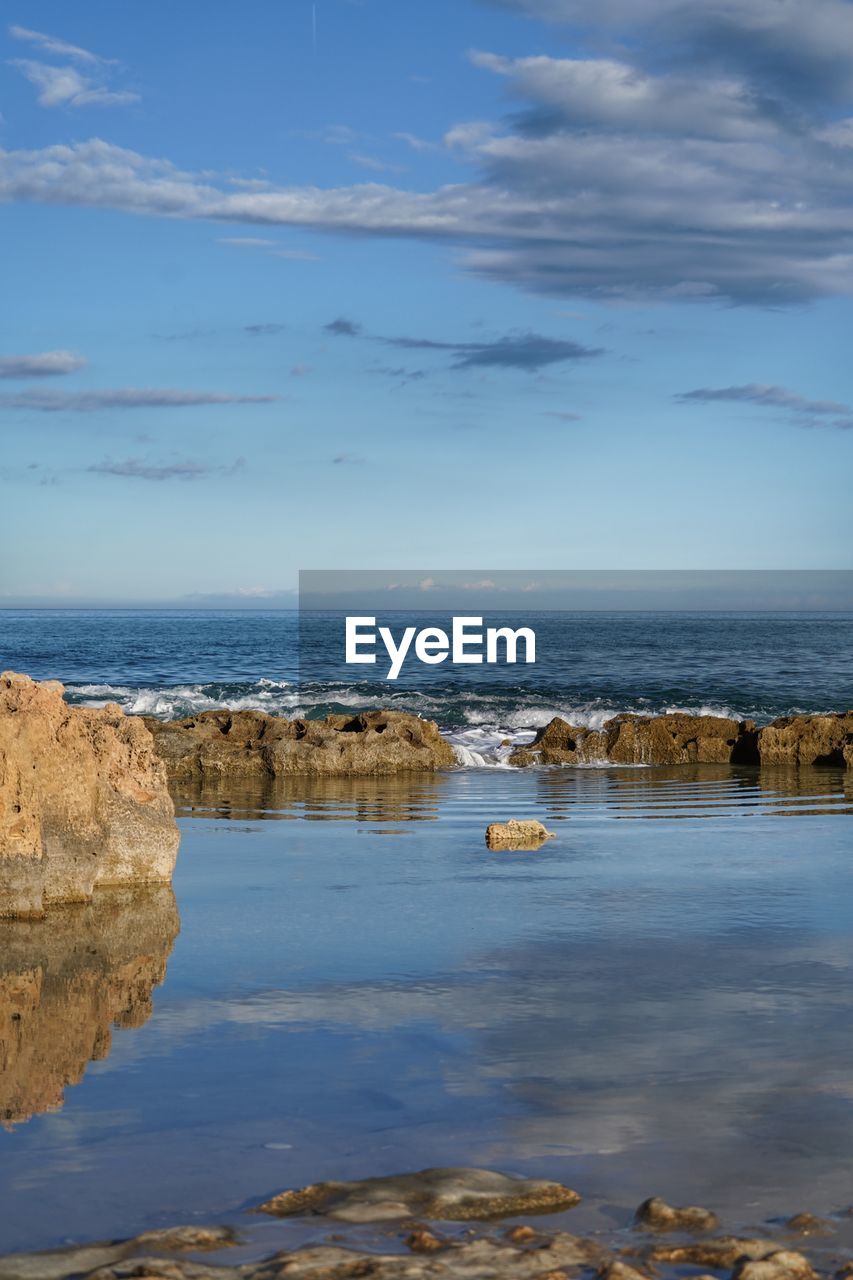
[
  {"x": 83, "y": 800},
  {"x": 251, "y": 744},
  {"x": 665, "y": 1240}
]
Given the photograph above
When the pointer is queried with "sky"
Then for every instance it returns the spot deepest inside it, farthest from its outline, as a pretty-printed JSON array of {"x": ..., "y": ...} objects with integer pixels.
[{"x": 526, "y": 284}]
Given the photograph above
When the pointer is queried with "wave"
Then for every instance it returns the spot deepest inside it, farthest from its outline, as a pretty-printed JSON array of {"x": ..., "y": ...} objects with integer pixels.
[{"x": 483, "y": 727}]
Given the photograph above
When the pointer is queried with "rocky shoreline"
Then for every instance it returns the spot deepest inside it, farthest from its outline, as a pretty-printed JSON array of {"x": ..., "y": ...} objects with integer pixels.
[
  {"x": 85, "y": 793},
  {"x": 460, "y": 1224},
  {"x": 251, "y": 744}
]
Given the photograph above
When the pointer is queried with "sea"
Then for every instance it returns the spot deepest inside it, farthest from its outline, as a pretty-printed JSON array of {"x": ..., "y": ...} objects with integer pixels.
[{"x": 343, "y": 981}]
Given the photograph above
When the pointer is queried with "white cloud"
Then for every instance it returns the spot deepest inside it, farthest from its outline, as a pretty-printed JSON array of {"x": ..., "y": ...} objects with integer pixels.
[
  {"x": 53, "y": 45},
  {"x": 44, "y": 364},
  {"x": 123, "y": 398},
  {"x": 66, "y": 87}
]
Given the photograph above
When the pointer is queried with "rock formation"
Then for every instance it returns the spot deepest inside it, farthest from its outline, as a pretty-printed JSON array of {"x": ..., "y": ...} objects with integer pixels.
[
  {"x": 414, "y": 1251},
  {"x": 517, "y": 834},
  {"x": 65, "y": 984},
  {"x": 658, "y": 1216},
  {"x": 83, "y": 800},
  {"x": 686, "y": 739},
  {"x": 805, "y": 740},
  {"x": 456, "y": 1195},
  {"x": 633, "y": 739},
  {"x": 250, "y": 744}
]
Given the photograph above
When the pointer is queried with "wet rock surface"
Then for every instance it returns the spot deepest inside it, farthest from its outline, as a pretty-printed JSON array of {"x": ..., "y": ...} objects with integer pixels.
[
  {"x": 656, "y": 1215},
  {"x": 251, "y": 744},
  {"x": 811, "y": 740},
  {"x": 416, "y": 1251},
  {"x": 458, "y": 1195},
  {"x": 83, "y": 800},
  {"x": 517, "y": 834}
]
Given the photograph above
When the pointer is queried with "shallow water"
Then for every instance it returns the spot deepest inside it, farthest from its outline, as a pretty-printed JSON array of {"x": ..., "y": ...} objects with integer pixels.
[{"x": 659, "y": 1001}]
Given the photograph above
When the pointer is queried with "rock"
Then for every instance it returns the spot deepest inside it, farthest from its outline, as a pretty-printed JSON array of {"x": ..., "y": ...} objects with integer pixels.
[
  {"x": 249, "y": 744},
  {"x": 621, "y": 1271},
  {"x": 807, "y": 740},
  {"x": 807, "y": 1224},
  {"x": 54, "y": 1264},
  {"x": 561, "y": 743},
  {"x": 458, "y": 1195},
  {"x": 64, "y": 986},
  {"x": 656, "y": 1215},
  {"x": 720, "y": 1253},
  {"x": 83, "y": 800},
  {"x": 421, "y": 1240},
  {"x": 782, "y": 1265},
  {"x": 517, "y": 834},
  {"x": 634, "y": 739},
  {"x": 143, "y": 1256}
]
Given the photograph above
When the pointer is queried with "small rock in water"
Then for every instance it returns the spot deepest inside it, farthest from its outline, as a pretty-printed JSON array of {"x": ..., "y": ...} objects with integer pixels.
[
  {"x": 517, "y": 834},
  {"x": 782, "y": 1265},
  {"x": 456, "y": 1195},
  {"x": 808, "y": 1224},
  {"x": 656, "y": 1215},
  {"x": 422, "y": 1240}
]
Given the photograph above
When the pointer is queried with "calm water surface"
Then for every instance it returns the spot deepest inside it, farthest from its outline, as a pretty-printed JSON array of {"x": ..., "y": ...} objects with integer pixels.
[{"x": 659, "y": 1001}]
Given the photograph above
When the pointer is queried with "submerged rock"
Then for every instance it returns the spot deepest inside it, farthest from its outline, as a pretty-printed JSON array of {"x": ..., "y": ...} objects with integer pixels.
[
  {"x": 724, "y": 1251},
  {"x": 83, "y": 800},
  {"x": 656, "y": 1215},
  {"x": 458, "y": 1195},
  {"x": 517, "y": 834},
  {"x": 102, "y": 1256},
  {"x": 808, "y": 1224},
  {"x": 251, "y": 744}
]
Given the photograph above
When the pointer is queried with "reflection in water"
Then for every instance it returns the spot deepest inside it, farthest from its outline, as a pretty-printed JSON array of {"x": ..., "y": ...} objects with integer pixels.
[
  {"x": 677, "y": 791},
  {"x": 66, "y": 981},
  {"x": 660, "y": 1000},
  {"x": 406, "y": 798},
  {"x": 695, "y": 791}
]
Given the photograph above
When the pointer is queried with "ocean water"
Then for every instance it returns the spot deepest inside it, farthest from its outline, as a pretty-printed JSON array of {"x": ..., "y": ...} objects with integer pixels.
[
  {"x": 589, "y": 667},
  {"x": 344, "y": 981}
]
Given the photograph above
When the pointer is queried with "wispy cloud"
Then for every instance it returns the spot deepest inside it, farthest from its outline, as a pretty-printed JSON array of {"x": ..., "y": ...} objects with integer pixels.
[
  {"x": 67, "y": 85},
  {"x": 273, "y": 248},
  {"x": 55, "y": 46},
  {"x": 123, "y": 398},
  {"x": 803, "y": 410},
  {"x": 366, "y": 161},
  {"x": 264, "y": 330},
  {"x": 705, "y": 159},
  {"x": 562, "y": 415},
  {"x": 343, "y": 328},
  {"x": 139, "y": 469},
  {"x": 527, "y": 351},
  {"x": 44, "y": 364}
]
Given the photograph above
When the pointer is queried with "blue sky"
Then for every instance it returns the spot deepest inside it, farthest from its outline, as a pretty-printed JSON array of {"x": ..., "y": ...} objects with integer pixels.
[{"x": 515, "y": 283}]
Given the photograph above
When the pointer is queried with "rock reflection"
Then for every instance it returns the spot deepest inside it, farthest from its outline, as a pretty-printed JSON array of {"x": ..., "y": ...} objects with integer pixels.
[
  {"x": 403, "y": 798},
  {"x": 695, "y": 791},
  {"x": 65, "y": 982}
]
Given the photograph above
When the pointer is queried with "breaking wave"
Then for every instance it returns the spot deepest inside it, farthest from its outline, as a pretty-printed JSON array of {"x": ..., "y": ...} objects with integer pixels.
[{"x": 483, "y": 728}]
